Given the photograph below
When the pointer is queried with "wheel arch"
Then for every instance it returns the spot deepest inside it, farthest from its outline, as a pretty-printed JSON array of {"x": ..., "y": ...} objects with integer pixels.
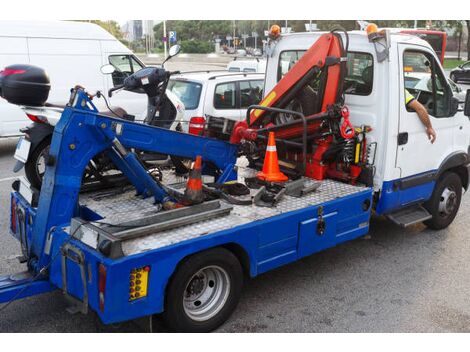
[
  {"x": 235, "y": 248},
  {"x": 459, "y": 163}
]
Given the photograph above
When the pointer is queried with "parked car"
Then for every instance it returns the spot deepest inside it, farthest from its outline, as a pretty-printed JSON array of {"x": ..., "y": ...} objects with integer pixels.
[
  {"x": 71, "y": 53},
  {"x": 461, "y": 73},
  {"x": 254, "y": 65},
  {"x": 216, "y": 99}
]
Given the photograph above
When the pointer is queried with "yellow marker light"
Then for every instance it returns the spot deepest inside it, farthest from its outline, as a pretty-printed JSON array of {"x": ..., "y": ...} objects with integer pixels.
[
  {"x": 138, "y": 283},
  {"x": 408, "y": 69}
]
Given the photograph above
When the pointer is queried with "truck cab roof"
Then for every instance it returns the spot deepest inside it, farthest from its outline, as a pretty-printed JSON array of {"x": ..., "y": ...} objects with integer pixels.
[{"x": 357, "y": 39}]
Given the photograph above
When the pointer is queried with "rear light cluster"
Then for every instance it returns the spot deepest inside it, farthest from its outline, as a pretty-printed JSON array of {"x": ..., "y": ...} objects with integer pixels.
[
  {"x": 101, "y": 285},
  {"x": 13, "y": 215},
  {"x": 9, "y": 72},
  {"x": 37, "y": 118},
  {"x": 196, "y": 125},
  {"x": 138, "y": 283}
]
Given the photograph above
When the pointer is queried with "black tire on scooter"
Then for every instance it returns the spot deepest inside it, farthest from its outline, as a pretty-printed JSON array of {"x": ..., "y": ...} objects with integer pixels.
[{"x": 31, "y": 167}]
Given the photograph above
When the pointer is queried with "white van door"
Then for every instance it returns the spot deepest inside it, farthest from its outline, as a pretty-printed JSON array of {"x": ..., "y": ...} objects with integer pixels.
[
  {"x": 12, "y": 118},
  {"x": 68, "y": 62},
  {"x": 423, "y": 78}
]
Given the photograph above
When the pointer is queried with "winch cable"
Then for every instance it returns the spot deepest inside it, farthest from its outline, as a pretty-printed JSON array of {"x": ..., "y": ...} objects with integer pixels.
[{"x": 41, "y": 271}]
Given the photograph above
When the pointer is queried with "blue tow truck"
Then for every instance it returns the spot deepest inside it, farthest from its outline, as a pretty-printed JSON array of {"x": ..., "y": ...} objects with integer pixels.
[{"x": 123, "y": 254}]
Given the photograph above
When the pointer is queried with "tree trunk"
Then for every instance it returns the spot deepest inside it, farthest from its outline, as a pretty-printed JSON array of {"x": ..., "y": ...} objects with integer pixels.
[{"x": 468, "y": 39}]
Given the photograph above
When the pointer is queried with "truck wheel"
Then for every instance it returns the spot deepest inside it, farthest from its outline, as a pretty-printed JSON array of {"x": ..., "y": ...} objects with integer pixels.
[
  {"x": 445, "y": 201},
  {"x": 35, "y": 166},
  {"x": 203, "y": 292}
]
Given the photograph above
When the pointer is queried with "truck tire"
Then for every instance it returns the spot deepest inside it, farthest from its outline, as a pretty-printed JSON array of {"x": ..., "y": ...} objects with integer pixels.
[
  {"x": 203, "y": 292},
  {"x": 33, "y": 169},
  {"x": 445, "y": 201}
]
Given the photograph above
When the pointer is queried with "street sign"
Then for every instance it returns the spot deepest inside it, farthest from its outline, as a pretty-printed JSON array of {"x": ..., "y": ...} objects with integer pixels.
[
  {"x": 254, "y": 34},
  {"x": 172, "y": 36},
  {"x": 245, "y": 36},
  {"x": 229, "y": 37}
]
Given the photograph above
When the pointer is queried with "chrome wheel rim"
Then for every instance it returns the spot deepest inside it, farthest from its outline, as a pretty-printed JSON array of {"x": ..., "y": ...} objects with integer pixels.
[
  {"x": 447, "y": 202},
  {"x": 41, "y": 163},
  {"x": 206, "y": 293}
]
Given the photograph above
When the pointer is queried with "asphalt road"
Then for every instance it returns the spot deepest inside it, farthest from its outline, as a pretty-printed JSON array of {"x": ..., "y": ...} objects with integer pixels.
[{"x": 412, "y": 280}]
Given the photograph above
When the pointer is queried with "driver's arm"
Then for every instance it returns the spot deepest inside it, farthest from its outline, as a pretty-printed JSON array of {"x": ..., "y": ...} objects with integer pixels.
[{"x": 423, "y": 115}]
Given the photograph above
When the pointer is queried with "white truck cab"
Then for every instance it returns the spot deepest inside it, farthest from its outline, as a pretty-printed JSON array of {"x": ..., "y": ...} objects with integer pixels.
[{"x": 407, "y": 167}]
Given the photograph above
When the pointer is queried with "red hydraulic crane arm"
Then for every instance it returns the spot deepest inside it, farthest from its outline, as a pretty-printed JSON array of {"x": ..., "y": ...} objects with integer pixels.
[{"x": 327, "y": 46}]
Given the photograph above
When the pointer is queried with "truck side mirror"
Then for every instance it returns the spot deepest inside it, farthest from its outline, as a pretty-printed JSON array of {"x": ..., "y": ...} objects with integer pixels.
[
  {"x": 107, "y": 69},
  {"x": 466, "y": 109}
]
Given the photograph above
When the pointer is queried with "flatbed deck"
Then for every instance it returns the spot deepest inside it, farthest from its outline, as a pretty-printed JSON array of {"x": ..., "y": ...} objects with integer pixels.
[{"x": 116, "y": 207}]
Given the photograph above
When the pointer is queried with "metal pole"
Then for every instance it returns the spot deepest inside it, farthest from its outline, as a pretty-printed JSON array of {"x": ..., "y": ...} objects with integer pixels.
[
  {"x": 165, "y": 39},
  {"x": 416, "y": 24}
]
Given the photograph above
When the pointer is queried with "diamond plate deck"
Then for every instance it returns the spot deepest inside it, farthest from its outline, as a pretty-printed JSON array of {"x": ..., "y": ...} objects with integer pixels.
[{"x": 127, "y": 206}]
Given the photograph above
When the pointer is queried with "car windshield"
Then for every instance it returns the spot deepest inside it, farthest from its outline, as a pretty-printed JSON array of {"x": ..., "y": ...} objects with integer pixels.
[{"x": 189, "y": 92}]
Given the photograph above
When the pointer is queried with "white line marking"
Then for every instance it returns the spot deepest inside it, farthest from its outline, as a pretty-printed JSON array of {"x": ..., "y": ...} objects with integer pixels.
[{"x": 8, "y": 178}]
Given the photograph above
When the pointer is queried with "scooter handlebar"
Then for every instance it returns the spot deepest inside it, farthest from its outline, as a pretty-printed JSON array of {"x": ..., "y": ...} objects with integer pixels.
[{"x": 110, "y": 92}]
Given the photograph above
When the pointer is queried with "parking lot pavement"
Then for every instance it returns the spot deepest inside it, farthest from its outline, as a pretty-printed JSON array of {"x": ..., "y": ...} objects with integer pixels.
[{"x": 399, "y": 280}]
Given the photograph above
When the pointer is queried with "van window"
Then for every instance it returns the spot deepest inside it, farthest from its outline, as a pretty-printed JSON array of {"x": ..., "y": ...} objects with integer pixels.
[
  {"x": 125, "y": 65},
  {"x": 225, "y": 96},
  {"x": 188, "y": 92},
  {"x": 425, "y": 82},
  {"x": 359, "y": 78},
  {"x": 251, "y": 93}
]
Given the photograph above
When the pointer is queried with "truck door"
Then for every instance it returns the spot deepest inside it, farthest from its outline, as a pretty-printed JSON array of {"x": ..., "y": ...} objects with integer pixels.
[{"x": 422, "y": 76}]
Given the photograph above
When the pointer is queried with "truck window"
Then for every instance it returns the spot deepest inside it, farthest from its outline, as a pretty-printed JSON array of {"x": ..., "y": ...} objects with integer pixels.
[
  {"x": 125, "y": 65},
  {"x": 359, "y": 79},
  {"x": 225, "y": 96},
  {"x": 251, "y": 93},
  {"x": 425, "y": 82},
  {"x": 189, "y": 92}
]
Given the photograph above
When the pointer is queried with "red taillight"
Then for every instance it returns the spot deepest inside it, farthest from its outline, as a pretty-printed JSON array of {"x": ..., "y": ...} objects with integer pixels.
[
  {"x": 13, "y": 215},
  {"x": 196, "y": 125},
  {"x": 102, "y": 285},
  {"x": 34, "y": 118},
  {"x": 9, "y": 72}
]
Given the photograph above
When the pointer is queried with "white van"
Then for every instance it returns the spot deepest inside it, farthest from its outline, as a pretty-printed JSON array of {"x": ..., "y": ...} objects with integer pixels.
[
  {"x": 71, "y": 53},
  {"x": 247, "y": 65}
]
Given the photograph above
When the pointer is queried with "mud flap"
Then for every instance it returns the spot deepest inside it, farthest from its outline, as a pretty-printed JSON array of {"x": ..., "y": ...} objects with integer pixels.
[{"x": 74, "y": 255}]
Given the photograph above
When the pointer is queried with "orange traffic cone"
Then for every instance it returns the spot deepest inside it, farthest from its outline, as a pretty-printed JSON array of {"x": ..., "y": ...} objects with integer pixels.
[
  {"x": 271, "y": 172},
  {"x": 193, "y": 193}
]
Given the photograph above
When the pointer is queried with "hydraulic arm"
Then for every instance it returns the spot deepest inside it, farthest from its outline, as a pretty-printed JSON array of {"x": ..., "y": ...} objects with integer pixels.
[{"x": 82, "y": 133}]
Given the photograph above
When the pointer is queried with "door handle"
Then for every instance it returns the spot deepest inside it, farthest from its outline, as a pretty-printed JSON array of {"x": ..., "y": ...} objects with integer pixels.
[{"x": 402, "y": 138}]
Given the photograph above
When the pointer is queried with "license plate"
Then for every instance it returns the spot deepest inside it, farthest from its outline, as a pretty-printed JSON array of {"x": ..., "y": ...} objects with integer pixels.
[
  {"x": 22, "y": 150},
  {"x": 25, "y": 190}
]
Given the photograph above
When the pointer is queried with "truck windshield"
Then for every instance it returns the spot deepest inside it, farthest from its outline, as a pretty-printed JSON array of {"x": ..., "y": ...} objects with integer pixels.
[
  {"x": 189, "y": 92},
  {"x": 358, "y": 80}
]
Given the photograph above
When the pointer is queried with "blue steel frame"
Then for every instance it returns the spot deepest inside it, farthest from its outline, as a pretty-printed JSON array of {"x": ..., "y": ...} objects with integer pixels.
[
  {"x": 261, "y": 245},
  {"x": 81, "y": 134}
]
